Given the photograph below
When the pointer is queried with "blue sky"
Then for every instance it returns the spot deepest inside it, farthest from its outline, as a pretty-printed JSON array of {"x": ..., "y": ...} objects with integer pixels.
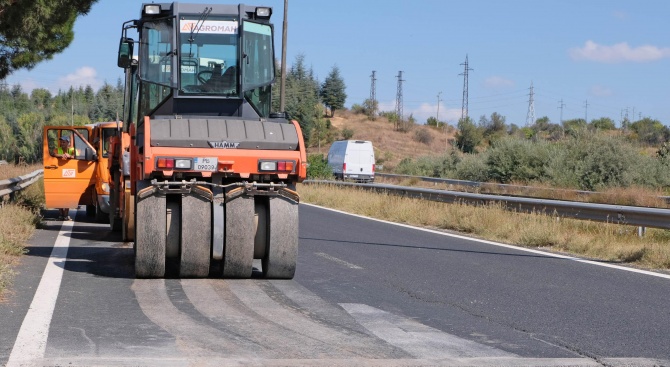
[{"x": 614, "y": 54}]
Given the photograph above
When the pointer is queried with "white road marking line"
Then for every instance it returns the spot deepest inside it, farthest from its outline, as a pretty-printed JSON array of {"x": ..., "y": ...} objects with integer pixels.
[
  {"x": 339, "y": 261},
  {"x": 549, "y": 254},
  {"x": 31, "y": 341},
  {"x": 419, "y": 340}
]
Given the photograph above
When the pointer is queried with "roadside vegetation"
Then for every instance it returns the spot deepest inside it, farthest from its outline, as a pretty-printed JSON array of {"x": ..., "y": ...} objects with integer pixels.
[
  {"x": 18, "y": 221},
  {"x": 606, "y": 242},
  {"x": 11, "y": 170}
]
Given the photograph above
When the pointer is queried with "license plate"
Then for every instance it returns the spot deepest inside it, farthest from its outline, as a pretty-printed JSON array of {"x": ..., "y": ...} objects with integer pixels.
[
  {"x": 353, "y": 176},
  {"x": 205, "y": 164}
]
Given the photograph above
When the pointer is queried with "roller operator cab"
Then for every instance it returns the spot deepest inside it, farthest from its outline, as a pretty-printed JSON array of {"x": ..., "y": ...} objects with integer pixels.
[{"x": 212, "y": 171}]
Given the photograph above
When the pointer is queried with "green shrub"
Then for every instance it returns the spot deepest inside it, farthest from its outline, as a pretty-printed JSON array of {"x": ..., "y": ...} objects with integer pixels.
[
  {"x": 318, "y": 168},
  {"x": 595, "y": 162},
  {"x": 441, "y": 166},
  {"x": 423, "y": 136},
  {"x": 347, "y": 133},
  {"x": 516, "y": 159},
  {"x": 472, "y": 167}
]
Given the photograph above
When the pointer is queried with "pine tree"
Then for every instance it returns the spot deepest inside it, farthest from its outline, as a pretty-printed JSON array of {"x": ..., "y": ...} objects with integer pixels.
[
  {"x": 302, "y": 96},
  {"x": 33, "y": 31},
  {"x": 332, "y": 91}
]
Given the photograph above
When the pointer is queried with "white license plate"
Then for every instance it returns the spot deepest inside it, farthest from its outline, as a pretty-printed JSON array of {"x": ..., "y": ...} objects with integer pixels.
[
  {"x": 353, "y": 176},
  {"x": 205, "y": 164}
]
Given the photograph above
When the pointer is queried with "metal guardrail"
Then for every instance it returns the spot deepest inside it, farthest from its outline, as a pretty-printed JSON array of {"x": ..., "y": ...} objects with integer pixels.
[
  {"x": 504, "y": 188},
  {"x": 15, "y": 184},
  {"x": 618, "y": 214}
]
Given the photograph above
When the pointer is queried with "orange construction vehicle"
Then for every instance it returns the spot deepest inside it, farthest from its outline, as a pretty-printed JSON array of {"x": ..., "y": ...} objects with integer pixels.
[
  {"x": 81, "y": 178},
  {"x": 211, "y": 172}
]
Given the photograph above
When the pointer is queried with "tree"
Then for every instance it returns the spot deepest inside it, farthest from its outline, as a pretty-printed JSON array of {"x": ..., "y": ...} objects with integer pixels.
[
  {"x": 650, "y": 131},
  {"x": 332, "y": 91},
  {"x": 33, "y": 31},
  {"x": 370, "y": 107},
  {"x": 493, "y": 128},
  {"x": 574, "y": 127},
  {"x": 468, "y": 135},
  {"x": 302, "y": 96},
  {"x": 432, "y": 121},
  {"x": 603, "y": 123}
]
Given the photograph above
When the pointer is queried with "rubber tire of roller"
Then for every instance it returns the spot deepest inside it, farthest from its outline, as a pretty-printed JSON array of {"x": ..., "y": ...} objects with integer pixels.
[
  {"x": 282, "y": 252},
  {"x": 196, "y": 236}
]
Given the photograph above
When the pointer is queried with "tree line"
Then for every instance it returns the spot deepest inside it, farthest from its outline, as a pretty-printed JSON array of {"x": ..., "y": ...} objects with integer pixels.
[
  {"x": 24, "y": 115},
  {"x": 470, "y": 135}
]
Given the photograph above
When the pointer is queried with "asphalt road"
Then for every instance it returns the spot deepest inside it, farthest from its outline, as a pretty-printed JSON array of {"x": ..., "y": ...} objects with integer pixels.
[{"x": 366, "y": 293}]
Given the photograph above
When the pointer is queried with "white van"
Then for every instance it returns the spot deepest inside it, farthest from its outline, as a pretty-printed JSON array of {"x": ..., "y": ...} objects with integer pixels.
[{"x": 352, "y": 159}]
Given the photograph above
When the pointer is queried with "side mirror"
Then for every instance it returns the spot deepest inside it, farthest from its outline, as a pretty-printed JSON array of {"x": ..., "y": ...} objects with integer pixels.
[
  {"x": 90, "y": 155},
  {"x": 125, "y": 53}
]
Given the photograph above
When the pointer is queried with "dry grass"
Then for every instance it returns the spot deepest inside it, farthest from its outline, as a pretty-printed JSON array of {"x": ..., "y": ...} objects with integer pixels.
[
  {"x": 17, "y": 224},
  {"x": 11, "y": 170},
  {"x": 630, "y": 196},
  {"x": 606, "y": 242},
  {"x": 390, "y": 146}
]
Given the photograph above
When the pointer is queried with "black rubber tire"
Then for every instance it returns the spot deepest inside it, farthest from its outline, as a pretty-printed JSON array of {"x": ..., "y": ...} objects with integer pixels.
[
  {"x": 196, "y": 236},
  {"x": 114, "y": 219},
  {"x": 282, "y": 252},
  {"x": 238, "y": 249},
  {"x": 90, "y": 210},
  {"x": 150, "y": 235},
  {"x": 100, "y": 216}
]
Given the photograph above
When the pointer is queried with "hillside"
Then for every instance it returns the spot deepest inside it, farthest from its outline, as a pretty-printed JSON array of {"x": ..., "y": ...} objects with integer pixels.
[{"x": 391, "y": 146}]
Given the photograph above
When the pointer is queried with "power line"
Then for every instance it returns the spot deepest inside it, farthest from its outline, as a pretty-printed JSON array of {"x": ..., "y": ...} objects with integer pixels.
[
  {"x": 530, "y": 117},
  {"x": 466, "y": 70},
  {"x": 437, "y": 116},
  {"x": 373, "y": 93},
  {"x": 586, "y": 111},
  {"x": 561, "y": 105},
  {"x": 398, "y": 101}
]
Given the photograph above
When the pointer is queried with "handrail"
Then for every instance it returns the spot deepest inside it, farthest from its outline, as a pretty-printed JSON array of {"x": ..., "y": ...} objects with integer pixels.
[
  {"x": 11, "y": 185},
  {"x": 618, "y": 214}
]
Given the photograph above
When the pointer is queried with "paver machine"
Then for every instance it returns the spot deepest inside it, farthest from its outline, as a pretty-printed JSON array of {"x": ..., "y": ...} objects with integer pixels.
[{"x": 210, "y": 172}]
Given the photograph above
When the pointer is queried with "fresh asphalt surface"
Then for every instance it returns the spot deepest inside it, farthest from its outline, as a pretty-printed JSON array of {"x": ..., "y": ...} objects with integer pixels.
[{"x": 365, "y": 293}]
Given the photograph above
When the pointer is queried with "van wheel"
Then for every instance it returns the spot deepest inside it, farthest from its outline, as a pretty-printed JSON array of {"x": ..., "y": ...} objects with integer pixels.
[
  {"x": 100, "y": 216},
  {"x": 90, "y": 210}
]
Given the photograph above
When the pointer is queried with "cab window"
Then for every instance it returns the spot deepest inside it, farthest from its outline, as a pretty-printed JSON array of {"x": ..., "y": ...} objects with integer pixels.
[{"x": 76, "y": 143}]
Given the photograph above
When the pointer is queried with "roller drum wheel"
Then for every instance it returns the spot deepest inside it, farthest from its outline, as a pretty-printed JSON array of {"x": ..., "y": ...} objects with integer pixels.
[
  {"x": 282, "y": 251},
  {"x": 150, "y": 236},
  {"x": 196, "y": 236},
  {"x": 239, "y": 238}
]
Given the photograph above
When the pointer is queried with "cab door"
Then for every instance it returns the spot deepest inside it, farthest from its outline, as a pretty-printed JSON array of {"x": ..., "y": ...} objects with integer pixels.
[{"x": 67, "y": 182}]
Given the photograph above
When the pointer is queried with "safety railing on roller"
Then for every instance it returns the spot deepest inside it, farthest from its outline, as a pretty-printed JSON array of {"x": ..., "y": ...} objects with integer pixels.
[
  {"x": 618, "y": 214},
  {"x": 12, "y": 185}
]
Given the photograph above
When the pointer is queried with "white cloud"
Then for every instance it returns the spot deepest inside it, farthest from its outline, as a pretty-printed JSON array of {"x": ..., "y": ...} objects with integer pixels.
[
  {"x": 497, "y": 82},
  {"x": 426, "y": 110},
  {"x": 27, "y": 85},
  {"x": 620, "y": 52},
  {"x": 385, "y": 106},
  {"x": 81, "y": 77},
  {"x": 600, "y": 91}
]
